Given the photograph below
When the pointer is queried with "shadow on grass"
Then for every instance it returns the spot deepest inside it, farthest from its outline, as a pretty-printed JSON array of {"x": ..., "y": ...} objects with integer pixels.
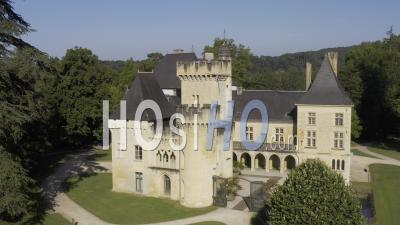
[
  {"x": 77, "y": 165},
  {"x": 391, "y": 143}
]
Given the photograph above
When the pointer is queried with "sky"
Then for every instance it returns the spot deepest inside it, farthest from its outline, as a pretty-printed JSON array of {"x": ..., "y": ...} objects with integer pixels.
[{"x": 120, "y": 29}]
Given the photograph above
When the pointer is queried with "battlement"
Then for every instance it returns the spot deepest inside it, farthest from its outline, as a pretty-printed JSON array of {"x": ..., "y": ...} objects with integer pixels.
[{"x": 204, "y": 68}]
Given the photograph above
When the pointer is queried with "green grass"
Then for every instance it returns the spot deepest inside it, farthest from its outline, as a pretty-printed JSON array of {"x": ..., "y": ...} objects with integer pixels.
[
  {"x": 208, "y": 223},
  {"x": 385, "y": 184},
  {"x": 389, "y": 147},
  {"x": 361, "y": 188},
  {"x": 392, "y": 153},
  {"x": 55, "y": 219},
  {"x": 360, "y": 153},
  {"x": 101, "y": 155},
  {"x": 94, "y": 194}
]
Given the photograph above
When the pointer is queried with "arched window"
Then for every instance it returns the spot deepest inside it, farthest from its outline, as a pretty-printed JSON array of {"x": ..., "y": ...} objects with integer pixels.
[
  {"x": 158, "y": 159},
  {"x": 167, "y": 185},
  {"x": 172, "y": 160},
  {"x": 333, "y": 164},
  {"x": 165, "y": 159},
  {"x": 342, "y": 164},
  {"x": 338, "y": 164}
]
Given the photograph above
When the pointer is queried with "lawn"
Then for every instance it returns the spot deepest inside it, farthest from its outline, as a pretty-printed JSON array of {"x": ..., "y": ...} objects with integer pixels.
[
  {"x": 360, "y": 153},
  {"x": 55, "y": 219},
  {"x": 94, "y": 194},
  {"x": 392, "y": 153},
  {"x": 390, "y": 148},
  {"x": 385, "y": 184},
  {"x": 208, "y": 223},
  {"x": 361, "y": 188},
  {"x": 101, "y": 155}
]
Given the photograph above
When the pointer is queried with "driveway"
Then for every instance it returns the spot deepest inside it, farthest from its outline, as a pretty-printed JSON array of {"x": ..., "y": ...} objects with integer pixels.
[{"x": 359, "y": 164}]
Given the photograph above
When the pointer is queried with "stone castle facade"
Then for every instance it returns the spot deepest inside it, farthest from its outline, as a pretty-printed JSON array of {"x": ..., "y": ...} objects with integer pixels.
[{"x": 315, "y": 123}]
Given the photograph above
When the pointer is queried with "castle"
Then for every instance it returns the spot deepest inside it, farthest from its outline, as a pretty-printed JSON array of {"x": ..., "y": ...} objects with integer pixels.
[{"x": 314, "y": 123}]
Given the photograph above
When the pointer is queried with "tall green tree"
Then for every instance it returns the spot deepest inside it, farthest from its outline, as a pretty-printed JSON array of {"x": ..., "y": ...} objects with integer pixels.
[
  {"x": 372, "y": 78},
  {"x": 12, "y": 26},
  {"x": 19, "y": 193},
  {"x": 314, "y": 194},
  {"x": 241, "y": 59},
  {"x": 83, "y": 85}
]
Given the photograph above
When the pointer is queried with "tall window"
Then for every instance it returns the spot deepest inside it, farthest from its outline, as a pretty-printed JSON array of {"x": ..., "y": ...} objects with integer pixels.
[
  {"x": 138, "y": 152},
  {"x": 279, "y": 134},
  {"x": 165, "y": 160},
  {"x": 139, "y": 181},
  {"x": 249, "y": 133},
  {"x": 159, "y": 159},
  {"x": 338, "y": 140},
  {"x": 311, "y": 118},
  {"x": 172, "y": 160},
  {"x": 311, "y": 138},
  {"x": 167, "y": 185},
  {"x": 339, "y": 119},
  {"x": 338, "y": 165}
]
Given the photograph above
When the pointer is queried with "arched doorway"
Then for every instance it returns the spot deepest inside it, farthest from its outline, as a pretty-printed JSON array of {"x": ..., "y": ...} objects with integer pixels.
[
  {"x": 234, "y": 157},
  {"x": 167, "y": 185},
  {"x": 246, "y": 160},
  {"x": 274, "y": 163},
  {"x": 259, "y": 161},
  {"x": 290, "y": 162}
]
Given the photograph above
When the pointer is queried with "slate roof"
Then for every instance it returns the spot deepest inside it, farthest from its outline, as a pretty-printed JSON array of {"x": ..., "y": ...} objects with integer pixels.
[
  {"x": 280, "y": 104},
  {"x": 325, "y": 89},
  {"x": 145, "y": 86},
  {"x": 165, "y": 71}
]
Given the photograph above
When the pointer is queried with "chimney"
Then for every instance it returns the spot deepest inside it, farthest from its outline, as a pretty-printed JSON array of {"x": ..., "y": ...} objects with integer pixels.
[
  {"x": 308, "y": 75},
  {"x": 333, "y": 59},
  {"x": 208, "y": 56}
]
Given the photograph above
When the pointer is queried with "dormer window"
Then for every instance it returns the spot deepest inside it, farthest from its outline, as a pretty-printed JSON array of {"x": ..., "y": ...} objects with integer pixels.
[{"x": 311, "y": 118}]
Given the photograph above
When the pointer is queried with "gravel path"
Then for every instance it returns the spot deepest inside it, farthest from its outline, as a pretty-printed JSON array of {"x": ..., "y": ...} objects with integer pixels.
[{"x": 359, "y": 164}]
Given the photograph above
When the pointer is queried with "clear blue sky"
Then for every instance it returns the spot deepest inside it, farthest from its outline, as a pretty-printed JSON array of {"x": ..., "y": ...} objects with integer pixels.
[{"x": 120, "y": 29}]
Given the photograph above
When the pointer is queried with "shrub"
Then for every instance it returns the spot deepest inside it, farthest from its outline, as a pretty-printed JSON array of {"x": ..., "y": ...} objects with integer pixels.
[{"x": 314, "y": 194}]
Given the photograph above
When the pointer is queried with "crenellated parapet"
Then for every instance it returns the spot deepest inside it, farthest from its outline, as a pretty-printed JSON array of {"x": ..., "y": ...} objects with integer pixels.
[{"x": 204, "y": 69}]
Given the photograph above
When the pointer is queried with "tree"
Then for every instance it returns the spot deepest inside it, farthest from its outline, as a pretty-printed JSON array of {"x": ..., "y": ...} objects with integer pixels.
[
  {"x": 314, "y": 194},
  {"x": 18, "y": 192},
  {"x": 241, "y": 59},
  {"x": 38, "y": 75},
  {"x": 12, "y": 26},
  {"x": 84, "y": 84},
  {"x": 151, "y": 62},
  {"x": 372, "y": 78}
]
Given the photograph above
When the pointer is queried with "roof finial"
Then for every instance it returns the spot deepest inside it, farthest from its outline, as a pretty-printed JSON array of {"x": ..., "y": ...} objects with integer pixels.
[{"x": 224, "y": 33}]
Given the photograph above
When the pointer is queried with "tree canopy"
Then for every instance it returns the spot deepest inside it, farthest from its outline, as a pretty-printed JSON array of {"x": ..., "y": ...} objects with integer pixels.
[{"x": 314, "y": 194}]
